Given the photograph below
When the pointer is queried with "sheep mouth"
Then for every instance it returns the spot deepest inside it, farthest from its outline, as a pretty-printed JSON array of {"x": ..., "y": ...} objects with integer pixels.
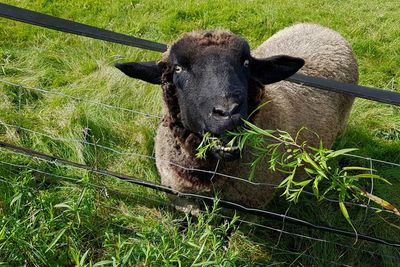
[
  {"x": 224, "y": 151},
  {"x": 222, "y": 147}
]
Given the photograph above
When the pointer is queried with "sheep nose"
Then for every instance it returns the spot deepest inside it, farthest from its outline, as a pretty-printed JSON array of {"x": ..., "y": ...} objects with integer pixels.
[{"x": 226, "y": 110}]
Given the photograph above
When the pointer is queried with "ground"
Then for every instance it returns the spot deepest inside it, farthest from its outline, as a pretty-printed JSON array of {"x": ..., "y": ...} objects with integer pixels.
[{"x": 71, "y": 217}]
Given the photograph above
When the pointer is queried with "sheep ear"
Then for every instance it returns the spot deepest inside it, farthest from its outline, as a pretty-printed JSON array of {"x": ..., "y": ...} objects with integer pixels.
[
  {"x": 147, "y": 71},
  {"x": 275, "y": 69}
]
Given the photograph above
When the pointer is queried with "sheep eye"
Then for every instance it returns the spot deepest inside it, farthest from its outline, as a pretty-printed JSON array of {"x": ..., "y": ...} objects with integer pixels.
[
  {"x": 246, "y": 63},
  {"x": 178, "y": 69}
]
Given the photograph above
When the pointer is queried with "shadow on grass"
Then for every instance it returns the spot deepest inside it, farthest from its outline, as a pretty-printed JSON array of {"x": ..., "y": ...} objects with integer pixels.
[{"x": 370, "y": 146}]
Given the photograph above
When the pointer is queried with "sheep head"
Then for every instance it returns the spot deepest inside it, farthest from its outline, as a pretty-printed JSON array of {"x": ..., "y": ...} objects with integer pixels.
[{"x": 210, "y": 82}]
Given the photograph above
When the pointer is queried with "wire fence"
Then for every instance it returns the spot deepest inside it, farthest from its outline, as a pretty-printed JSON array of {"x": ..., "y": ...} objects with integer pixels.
[
  {"x": 79, "y": 99},
  {"x": 77, "y": 180},
  {"x": 153, "y": 158},
  {"x": 231, "y": 205},
  {"x": 215, "y": 172},
  {"x": 100, "y": 187}
]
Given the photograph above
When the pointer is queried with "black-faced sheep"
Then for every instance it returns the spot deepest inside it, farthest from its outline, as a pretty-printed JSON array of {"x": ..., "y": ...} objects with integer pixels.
[{"x": 210, "y": 81}]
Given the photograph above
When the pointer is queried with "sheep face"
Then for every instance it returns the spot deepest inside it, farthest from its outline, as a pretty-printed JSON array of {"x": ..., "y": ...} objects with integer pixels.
[
  {"x": 211, "y": 85},
  {"x": 213, "y": 81}
]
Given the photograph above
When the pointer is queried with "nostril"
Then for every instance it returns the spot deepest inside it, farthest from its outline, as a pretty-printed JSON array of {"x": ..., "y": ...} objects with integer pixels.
[
  {"x": 234, "y": 108},
  {"x": 231, "y": 109},
  {"x": 219, "y": 111}
]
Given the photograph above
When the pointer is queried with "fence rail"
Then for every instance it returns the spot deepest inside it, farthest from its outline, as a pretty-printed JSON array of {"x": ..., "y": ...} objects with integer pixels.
[{"x": 63, "y": 25}]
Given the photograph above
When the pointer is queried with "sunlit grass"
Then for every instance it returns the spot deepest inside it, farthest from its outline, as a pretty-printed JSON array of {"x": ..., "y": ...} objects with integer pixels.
[{"x": 48, "y": 221}]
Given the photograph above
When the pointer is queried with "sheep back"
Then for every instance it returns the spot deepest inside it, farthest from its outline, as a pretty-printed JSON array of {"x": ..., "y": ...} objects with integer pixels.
[{"x": 292, "y": 106}]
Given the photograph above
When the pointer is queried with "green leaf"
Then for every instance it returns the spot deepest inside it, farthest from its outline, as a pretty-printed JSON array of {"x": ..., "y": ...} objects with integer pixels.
[
  {"x": 16, "y": 199},
  {"x": 101, "y": 263},
  {"x": 310, "y": 171},
  {"x": 371, "y": 176},
  {"x": 193, "y": 244},
  {"x": 356, "y": 168},
  {"x": 3, "y": 231},
  {"x": 287, "y": 180},
  {"x": 267, "y": 133},
  {"x": 340, "y": 152},
  {"x": 82, "y": 261},
  {"x": 56, "y": 239},
  {"x": 347, "y": 217},
  {"x": 63, "y": 205},
  {"x": 200, "y": 253},
  {"x": 309, "y": 160},
  {"x": 302, "y": 183},
  {"x": 315, "y": 186}
]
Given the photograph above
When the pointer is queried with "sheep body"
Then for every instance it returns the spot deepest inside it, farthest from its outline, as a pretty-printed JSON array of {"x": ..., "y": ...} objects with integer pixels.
[{"x": 291, "y": 107}]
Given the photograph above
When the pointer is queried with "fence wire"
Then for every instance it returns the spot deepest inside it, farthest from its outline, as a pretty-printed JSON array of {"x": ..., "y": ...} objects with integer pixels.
[
  {"x": 215, "y": 172},
  {"x": 152, "y": 157},
  {"x": 79, "y": 99},
  {"x": 119, "y": 226},
  {"x": 148, "y": 115},
  {"x": 76, "y": 180},
  {"x": 103, "y": 189},
  {"x": 223, "y": 203},
  {"x": 221, "y": 216}
]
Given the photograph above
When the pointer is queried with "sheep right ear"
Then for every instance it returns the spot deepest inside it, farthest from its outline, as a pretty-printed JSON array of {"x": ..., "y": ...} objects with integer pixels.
[
  {"x": 147, "y": 71},
  {"x": 275, "y": 68}
]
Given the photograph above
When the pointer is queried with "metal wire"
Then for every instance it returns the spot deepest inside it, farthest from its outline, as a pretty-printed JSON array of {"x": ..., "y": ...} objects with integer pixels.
[
  {"x": 183, "y": 167},
  {"x": 281, "y": 231},
  {"x": 152, "y": 157},
  {"x": 68, "y": 178},
  {"x": 78, "y": 180},
  {"x": 300, "y": 255},
  {"x": 257, "y": 243},
  {"x": 83, "y": 100},
  {"x": 307, "y": 237},
  {"x": 149, "y": 115},
  {"x": 375, "y": 160},
  {"x": 222, "y": 203},
  {"x": 137, "y": 155}
]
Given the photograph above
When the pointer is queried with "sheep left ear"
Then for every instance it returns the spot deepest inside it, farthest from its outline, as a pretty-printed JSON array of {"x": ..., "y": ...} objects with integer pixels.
[
  {"x": 147, "y": 71},
  {"x": 275, "y": 69}
]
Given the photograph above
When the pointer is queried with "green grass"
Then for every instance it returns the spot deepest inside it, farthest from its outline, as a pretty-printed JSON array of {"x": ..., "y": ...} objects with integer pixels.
[{"x": 50, "y": 221}]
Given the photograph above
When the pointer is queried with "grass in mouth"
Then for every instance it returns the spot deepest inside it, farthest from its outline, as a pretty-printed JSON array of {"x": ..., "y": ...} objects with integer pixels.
[{"x": 206, "y": 144}]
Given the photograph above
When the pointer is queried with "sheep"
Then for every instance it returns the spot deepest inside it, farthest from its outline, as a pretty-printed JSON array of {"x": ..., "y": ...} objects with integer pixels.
[{"x": 211, "y": 81}]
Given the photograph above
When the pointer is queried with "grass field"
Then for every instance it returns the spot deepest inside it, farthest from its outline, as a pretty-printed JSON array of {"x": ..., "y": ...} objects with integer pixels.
[{"x": 76, "y": 218}]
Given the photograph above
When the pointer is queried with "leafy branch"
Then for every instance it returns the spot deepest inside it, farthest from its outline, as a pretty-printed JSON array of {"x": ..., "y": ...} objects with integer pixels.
[{"x": 314, "y": 166}]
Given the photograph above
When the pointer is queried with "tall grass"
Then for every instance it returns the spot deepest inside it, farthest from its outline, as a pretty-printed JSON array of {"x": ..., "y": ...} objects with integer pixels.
[{"x": 47, "y": 220}]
